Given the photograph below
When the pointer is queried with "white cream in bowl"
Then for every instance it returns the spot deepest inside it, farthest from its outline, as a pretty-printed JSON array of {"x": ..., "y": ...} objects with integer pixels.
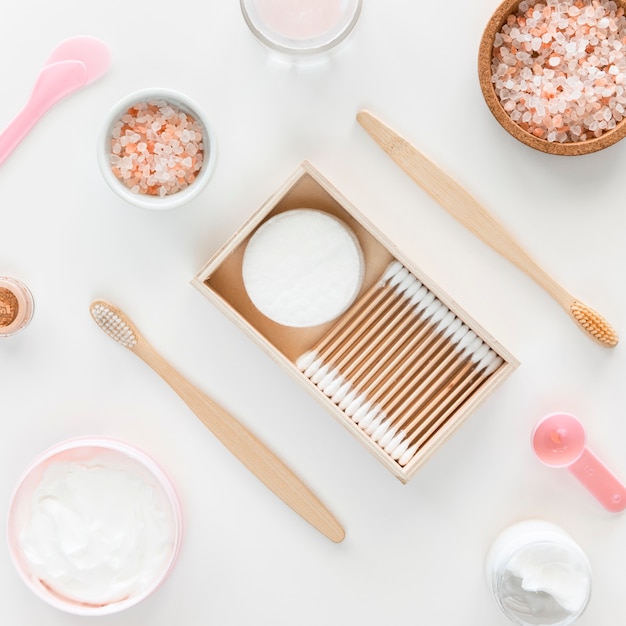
[{"x": 94, "y": 526}]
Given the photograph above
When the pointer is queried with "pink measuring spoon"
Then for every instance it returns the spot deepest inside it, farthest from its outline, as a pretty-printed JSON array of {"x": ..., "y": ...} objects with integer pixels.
[
  {"x": 559, "y": 441},
  {"x": 74, "y": 63}
]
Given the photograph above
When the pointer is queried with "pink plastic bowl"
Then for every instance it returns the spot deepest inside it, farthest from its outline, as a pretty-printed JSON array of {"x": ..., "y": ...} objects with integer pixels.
[{"x": 75, "y": 451}]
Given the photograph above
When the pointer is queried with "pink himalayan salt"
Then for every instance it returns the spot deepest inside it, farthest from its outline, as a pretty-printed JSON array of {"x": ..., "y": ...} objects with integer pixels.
[
  {"x": 156, "y": 148},
  {"x": 559, "y": 68}
]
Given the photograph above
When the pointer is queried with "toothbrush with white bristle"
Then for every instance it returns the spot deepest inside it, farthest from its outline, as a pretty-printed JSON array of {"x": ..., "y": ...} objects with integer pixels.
[
  {"x": 261, "y": 461},
  {"x": 488, "y": 365}
]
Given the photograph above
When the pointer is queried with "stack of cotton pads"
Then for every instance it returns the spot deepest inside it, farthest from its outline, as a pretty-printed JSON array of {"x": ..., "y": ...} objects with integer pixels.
[{"x": 303, "y": 267}]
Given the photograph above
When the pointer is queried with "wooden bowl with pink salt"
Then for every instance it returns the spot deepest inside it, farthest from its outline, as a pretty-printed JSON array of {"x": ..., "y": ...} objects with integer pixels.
[
  {"x": 157, "y": 149},
  {"x": 553, "y": 73}
]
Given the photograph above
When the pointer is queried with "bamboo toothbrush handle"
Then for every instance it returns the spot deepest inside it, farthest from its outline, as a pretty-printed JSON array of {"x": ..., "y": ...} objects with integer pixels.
[
  {"x": 261, "y": 461},
  {"x": 467, "y": 210},
  {"x": 457, "y": 201}
]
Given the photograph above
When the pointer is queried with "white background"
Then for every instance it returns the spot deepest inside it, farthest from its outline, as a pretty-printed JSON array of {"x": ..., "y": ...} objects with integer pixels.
[{"x": 413, "y": 553}]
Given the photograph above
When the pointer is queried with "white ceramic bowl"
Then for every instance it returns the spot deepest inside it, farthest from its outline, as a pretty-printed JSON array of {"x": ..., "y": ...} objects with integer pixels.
[
  {"x": 146, "y": 201},
  {"x": 69, "y": 468}
]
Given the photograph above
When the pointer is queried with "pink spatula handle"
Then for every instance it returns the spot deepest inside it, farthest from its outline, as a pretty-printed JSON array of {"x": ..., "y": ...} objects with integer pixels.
[
  {"x": 54, "y": 82},
  {"x": 600, "y": 481}
]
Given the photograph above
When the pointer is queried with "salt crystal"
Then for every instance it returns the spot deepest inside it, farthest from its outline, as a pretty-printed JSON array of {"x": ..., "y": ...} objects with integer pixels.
[
  {"x": 554, "y": 61},
  {"x": 577, "y": 60},
  {"x": 159, "y": 161}
]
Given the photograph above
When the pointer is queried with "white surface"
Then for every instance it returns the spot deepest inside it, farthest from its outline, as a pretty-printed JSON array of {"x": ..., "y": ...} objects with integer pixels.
[{"x": 413, "y": 553}]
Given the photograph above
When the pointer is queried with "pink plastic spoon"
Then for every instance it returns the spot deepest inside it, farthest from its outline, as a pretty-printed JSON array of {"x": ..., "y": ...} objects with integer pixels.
[
  {"x": 92, "y": 52},
  {"x": 74, "y": 63},
  {"x": 559, "y": 441}
]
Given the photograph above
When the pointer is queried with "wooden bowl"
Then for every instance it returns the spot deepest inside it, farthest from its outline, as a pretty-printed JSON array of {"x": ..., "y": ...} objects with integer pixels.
[{"x": 485, "y": 55}]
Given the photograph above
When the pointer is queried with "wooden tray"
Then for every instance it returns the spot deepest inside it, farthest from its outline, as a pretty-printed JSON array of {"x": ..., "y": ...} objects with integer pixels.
[{"x": 220, "y": 280}]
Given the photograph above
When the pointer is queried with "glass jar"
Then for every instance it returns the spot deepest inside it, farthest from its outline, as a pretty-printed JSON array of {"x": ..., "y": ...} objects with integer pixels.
[
  {"x": 16, "y": 306},
  {"x": 301, "y": 27},
  {"x": 538, "y": 574}
]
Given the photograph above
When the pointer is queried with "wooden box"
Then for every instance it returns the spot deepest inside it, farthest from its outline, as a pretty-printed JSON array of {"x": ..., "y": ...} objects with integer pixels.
[{"x": 423, "y": 384}]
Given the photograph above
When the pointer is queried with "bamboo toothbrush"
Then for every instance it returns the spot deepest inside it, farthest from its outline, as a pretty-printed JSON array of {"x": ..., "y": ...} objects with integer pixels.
[
  {"x": 238, "y": 440},
  {"x": 461, "y": 205}
]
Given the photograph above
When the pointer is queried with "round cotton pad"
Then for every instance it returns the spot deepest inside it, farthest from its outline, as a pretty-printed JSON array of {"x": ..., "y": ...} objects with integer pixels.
[{"x": 302, "y": 267}]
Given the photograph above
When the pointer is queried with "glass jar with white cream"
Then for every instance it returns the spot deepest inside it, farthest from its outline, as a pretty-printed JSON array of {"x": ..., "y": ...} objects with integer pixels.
[{"x": 538, "y": 574}]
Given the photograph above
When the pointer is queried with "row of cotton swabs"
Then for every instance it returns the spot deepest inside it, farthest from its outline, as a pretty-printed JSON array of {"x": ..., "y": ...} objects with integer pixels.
[{"x": 400, "y": 363}]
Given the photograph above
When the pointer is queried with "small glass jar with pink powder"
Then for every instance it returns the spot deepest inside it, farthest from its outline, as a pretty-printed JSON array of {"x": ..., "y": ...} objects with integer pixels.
[{"x": 16, "y": 306}]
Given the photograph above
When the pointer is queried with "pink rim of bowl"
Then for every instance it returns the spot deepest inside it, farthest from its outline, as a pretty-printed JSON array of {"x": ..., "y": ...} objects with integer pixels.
[
  {"x": 30, "y": 479},
  {"x": 179, "y": 198}
]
